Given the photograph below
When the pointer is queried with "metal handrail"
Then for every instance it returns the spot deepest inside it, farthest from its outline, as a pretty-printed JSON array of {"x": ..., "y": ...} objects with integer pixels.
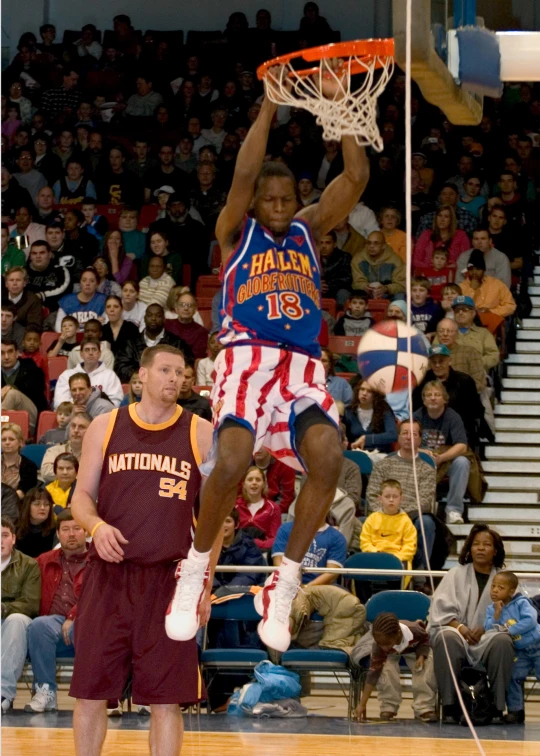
[{"x": 357, "y": 571}]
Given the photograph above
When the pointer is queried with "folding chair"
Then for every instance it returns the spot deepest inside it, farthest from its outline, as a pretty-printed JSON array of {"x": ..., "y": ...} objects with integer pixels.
[{"x": 216, "y": 661}]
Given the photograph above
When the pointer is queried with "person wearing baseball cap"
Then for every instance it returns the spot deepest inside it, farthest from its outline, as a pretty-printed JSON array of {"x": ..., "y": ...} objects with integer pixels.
[
  {"x": 462, "y": 393},
  {"x": 497, "y": 263},
  {"x": 489, "y": 294},
  {"x": 473, "y": 335}
]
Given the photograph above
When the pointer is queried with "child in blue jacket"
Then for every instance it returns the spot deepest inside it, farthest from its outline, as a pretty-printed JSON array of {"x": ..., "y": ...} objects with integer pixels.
[{"x": 513, "y": 613}]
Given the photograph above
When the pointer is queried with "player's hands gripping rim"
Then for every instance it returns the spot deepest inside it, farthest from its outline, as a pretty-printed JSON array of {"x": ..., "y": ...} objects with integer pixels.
[{"x": 107, "y": 541}]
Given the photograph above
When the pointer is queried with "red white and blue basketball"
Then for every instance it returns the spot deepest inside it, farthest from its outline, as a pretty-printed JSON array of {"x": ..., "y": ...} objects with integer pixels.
[{"x": 384, "y": 360}]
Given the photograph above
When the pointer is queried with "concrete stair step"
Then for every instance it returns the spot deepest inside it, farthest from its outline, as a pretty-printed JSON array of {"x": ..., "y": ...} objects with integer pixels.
[
  {"x": 530, "y": 334},
  {"x": 518, "y": 410},
  {"x": 511, "y": 453},
  {"x": 523, "y": 359},
  {"x": 520, "y": 397},
  {"x": 535, "y": 301},
  {"x": 523, "y": 371},
  {"x": 517, "y": 438},
  {"x": 505, "y": 514},
  {"x": 518, "y": 467},
  {"x": 497, "y": 498},
  {"x": 506, "y": 531},
  {"x": 512, "y": 548},
  {"x": 512, "y": 483},
  {"x": 513, "y": 424},
  {"x": 535, "y": 288},
  {"x": 522, "y": 383},
  {"x": 520, "y": 564},
  {"x": 535, "y": 312},
  {"x": 528, "y": 346},
  {"x": 527, "y": 323},
  {"x": 516, "y": 423}
]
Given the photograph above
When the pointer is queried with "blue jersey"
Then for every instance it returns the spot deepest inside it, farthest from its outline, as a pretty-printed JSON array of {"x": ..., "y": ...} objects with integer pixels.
[{"x": 271, "y": 291}]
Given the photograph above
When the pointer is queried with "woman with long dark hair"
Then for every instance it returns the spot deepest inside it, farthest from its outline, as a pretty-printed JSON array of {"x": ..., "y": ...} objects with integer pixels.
[
  {"x": 369, "y": 421},
  {"x": 36, "y": 529},
  {"x": 117, "y": 331},
  {"x": 120, "y": 265},
  {"x": 458, "y": 612}
]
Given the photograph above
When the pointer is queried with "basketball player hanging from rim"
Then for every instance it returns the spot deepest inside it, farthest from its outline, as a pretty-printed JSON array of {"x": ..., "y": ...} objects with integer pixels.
[{"x": 270, "y": 384}]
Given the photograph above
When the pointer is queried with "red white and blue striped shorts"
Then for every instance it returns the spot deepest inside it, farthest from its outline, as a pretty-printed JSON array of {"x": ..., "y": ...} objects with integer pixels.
[{"x": 265, "y": 388}]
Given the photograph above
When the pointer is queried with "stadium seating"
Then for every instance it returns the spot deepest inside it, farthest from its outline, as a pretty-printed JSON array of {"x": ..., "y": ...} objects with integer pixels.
[
  {"x": 35, "y": 453},
  {"x": 19, "y": 417},
  {"x": 57, "y": 365},
  {"x": 47, "y": 421}
]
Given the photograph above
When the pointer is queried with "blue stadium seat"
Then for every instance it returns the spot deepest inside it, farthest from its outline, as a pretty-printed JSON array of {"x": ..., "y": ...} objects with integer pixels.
[
  {"x": 216, "y": 661},
  {"x": 407, "y": 605},
  {"x": 35, "y": 453},
  {"x": 377, "y": 562}
]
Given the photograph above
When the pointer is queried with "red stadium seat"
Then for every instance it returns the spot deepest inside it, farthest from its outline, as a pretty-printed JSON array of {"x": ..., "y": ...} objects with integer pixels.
[
  {"x": 186, "y": 274},
  {"x": 57, "y": 365},
  {"x": 47, "y": 421},
  {"x": 204, "y": 303},
  {"x": 206, "y": 316},
  {"x": 330, "y": 305},
  {"x": 147, "y": 216},
  {"x": 378, "y": 308},
  {"x": 125, "y": 388},
  {"x": 20, "y": 417},
  {"x": 343, "y": 344},
  {"x": 47, "y": 338},
  {"x": 207, "y": 286},
  {"x": 111, "y": 213}
]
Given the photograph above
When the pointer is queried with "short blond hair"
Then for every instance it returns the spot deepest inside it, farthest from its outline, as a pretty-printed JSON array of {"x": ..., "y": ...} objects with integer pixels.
[
  {"x": 149, "y": 354},
  {"x": 15, "y": 429}
]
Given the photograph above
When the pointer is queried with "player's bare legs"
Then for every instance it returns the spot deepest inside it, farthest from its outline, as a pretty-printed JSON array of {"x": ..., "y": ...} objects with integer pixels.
[
  {"x": 219, "y": 492},
  {"x": 321, "y": 452},
  {"x": 166, "y": 730},
  {"x": 89, "y": 726}
]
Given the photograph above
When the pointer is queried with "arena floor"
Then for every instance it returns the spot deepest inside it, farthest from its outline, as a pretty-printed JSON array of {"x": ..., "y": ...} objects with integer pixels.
[{"x": 326, "y": 731}]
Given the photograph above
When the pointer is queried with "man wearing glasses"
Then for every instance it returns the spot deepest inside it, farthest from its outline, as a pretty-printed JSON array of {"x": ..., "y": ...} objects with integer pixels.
[{"x": 186, "y": 328}]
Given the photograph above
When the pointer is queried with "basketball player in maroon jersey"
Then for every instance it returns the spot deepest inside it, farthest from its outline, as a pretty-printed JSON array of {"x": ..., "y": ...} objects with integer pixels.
[
  {"x": 270, "y": 386},
  {"x": 137, "y": 494}
]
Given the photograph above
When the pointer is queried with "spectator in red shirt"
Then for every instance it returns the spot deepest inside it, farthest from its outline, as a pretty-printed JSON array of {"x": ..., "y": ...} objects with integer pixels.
[
  {"x": 186, "y": 328},
  {"x": 279, "y": 479},
  {"x": 51, "y": 634},
  {"x": 259, "y": 516}
]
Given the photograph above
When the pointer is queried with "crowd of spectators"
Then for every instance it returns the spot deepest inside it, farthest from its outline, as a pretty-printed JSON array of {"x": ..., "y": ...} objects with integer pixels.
[{"x": 117, "y": 156}]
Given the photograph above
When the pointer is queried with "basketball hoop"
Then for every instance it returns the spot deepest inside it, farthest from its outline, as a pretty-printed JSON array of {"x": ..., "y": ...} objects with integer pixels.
[{"x": 352, "y": 111}]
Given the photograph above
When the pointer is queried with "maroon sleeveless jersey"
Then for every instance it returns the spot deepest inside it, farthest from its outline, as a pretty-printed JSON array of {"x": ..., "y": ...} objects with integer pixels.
[{"x": 149, "y": 484}]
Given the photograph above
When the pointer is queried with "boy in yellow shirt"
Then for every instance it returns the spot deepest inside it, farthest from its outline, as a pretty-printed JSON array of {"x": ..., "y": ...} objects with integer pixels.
[{"x": 390, "y": 530}]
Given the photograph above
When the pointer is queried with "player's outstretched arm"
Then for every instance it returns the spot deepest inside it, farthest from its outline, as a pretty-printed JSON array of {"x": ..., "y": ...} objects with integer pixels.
[
  {"x": 342, "y": 194},
  {"x": 248, "y": 165},
  {"x": 107, "y": 539}
]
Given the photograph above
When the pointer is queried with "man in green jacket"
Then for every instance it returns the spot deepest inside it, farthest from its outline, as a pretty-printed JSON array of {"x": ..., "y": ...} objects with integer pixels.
[
  {"x": 21, "y": 594},
  {"x": 378, "y": 269}
]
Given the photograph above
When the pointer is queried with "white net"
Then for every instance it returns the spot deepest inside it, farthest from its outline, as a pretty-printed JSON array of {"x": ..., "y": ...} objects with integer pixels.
[{"x": 350, "y": 112}]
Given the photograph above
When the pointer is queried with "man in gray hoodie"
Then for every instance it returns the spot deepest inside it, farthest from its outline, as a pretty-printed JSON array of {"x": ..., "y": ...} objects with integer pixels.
[{"x": 88, "y": 398}]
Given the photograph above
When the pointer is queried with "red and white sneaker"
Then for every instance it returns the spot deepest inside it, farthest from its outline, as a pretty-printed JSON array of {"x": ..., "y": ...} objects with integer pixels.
[
  {"x": 273, "y": 603},
  {"x": 182, "y": 617}
]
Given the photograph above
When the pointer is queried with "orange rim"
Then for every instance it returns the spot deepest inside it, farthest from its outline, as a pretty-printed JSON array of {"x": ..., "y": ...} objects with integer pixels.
[{"x": 365, "y": 49}]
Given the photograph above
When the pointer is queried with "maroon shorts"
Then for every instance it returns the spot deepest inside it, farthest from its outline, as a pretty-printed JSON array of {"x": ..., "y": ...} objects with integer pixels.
[{"x": 120, "y": 628}]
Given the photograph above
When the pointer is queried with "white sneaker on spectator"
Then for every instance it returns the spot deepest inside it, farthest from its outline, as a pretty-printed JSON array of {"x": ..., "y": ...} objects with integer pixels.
[
  {"x": 6, "y": 705},
  {"x": 182, "y": 618},
  {"x": 454, "y": 518},
  {"x": 143, "y": 711},
  {"x": 116, "y": 711},
  {"x": 273, "y": 603},
  {"x": 44, "y": 700}
]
